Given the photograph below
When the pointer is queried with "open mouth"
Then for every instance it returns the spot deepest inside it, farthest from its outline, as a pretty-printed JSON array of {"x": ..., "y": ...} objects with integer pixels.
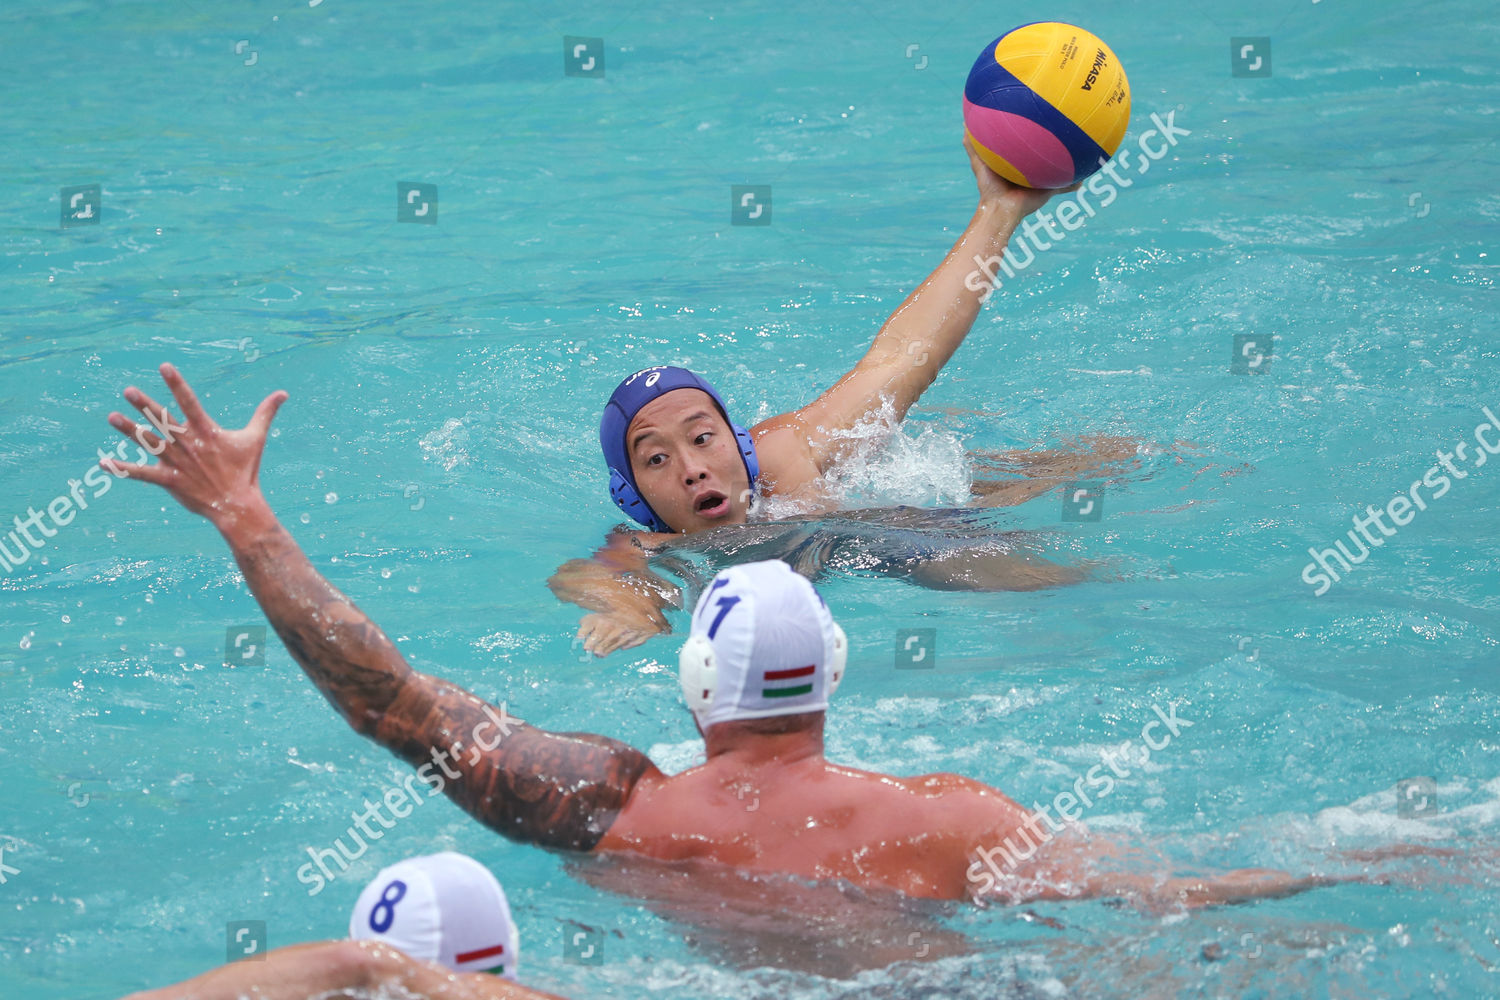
[{"x": 712, "y": 504}]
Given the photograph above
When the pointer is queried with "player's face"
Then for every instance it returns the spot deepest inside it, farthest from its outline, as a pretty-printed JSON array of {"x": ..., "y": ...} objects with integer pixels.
[{"x": 687, "y": 462}]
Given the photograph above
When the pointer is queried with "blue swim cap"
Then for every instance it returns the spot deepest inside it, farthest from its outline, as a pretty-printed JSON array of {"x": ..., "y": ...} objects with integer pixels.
[{"x": 628, "y": 399}]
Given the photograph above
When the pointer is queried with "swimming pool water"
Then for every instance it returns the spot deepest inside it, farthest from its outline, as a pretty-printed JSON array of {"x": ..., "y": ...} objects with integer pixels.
[{"x": 438, "y": 457}]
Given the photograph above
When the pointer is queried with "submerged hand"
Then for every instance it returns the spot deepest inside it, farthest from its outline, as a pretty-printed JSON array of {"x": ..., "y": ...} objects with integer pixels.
[
  {"x": 207, "y": 469},
  {"x": 605, "y": 632}
]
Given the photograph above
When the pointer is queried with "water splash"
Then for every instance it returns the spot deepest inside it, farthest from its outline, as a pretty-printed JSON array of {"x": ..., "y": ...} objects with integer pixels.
[
  {"x": 885, "y": 463},
  {"x": 448, "y": 445}
]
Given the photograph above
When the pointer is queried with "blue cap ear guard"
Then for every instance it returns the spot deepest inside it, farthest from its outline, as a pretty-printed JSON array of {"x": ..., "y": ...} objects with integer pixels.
[{"x": 628, "y": 399}]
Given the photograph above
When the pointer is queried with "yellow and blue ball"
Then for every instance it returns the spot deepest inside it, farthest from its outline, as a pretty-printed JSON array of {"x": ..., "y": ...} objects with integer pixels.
[{"x": 1046, "y": 104}]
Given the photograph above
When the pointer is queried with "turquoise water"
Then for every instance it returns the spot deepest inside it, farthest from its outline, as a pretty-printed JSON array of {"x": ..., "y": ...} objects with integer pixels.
[{"x": 438, "y": 457}]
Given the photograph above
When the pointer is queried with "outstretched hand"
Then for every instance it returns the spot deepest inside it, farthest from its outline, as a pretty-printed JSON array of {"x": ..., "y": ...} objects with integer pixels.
[
  {"x": 994, "y": 189},
  {"x": 209, "y": 470}
]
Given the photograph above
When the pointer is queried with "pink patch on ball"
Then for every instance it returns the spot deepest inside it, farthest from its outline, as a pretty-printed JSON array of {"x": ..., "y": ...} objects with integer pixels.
[{"x": 1038, "y": 154}]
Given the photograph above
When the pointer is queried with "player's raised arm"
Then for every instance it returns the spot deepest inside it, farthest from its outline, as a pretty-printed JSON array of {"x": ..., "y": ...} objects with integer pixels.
[
  {"x": 556, "y": 790},
  {"x": 919, "y": 337}
]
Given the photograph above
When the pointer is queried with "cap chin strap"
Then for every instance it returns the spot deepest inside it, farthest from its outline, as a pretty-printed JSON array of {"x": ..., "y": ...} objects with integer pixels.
[{"x": 698, "y": 670}]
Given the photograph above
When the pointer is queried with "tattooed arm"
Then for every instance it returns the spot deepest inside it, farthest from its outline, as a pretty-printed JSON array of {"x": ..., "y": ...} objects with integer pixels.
[{"x": 557, "y": 790}]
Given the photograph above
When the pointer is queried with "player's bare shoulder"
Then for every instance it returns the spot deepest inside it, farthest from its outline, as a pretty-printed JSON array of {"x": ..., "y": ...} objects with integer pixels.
[
  {"x": 953, "y": 799},
  {"x": 787, "y": 463},
  {"x": 941, "y": 784}
]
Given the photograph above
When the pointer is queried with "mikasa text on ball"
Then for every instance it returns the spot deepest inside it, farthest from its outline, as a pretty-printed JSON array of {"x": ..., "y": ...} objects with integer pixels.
[{"x": 1046, "y": 104}]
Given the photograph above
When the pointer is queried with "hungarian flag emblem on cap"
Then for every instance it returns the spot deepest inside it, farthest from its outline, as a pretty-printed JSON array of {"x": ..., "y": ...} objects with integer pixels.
[
  {"x": 787, "y": 683},
  {"x": 494, "y": 951}
]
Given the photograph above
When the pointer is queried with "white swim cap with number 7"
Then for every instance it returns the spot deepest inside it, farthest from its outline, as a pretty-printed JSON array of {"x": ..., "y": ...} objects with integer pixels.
[{"x": 763, "y": 644}]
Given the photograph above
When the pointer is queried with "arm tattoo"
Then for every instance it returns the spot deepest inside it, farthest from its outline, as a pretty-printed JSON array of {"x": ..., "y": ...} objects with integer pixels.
[{"x": 556, "y": 790}]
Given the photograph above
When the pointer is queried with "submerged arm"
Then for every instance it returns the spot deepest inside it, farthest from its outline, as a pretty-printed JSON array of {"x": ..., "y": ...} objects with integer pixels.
[
  {"x": 1078, "y": 865},
  {"x": 628, "y": 601}
]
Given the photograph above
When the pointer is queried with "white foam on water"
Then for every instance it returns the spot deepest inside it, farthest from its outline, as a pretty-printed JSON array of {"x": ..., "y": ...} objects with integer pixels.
[
  {"x": 507, "y": 642},
  {"x": 886, "y": 463},
  {"x": 448, "y": 445},
  {"x": 1376, "y": 816}
]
